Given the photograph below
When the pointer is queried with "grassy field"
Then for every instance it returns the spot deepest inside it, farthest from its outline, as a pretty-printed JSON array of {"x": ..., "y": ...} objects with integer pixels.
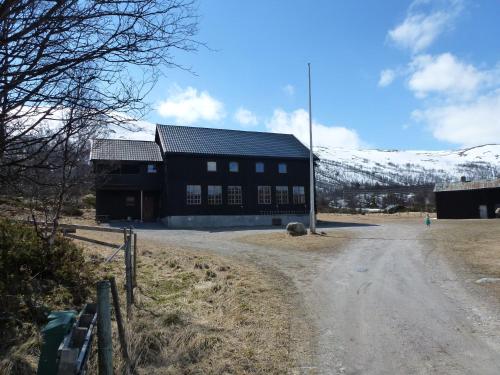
[
  {"x": 373, "y": 218},
  {"x": 326, "y": 241},
  {"x": 472, "y": 247},
  {"x": 200, "y": 314}
]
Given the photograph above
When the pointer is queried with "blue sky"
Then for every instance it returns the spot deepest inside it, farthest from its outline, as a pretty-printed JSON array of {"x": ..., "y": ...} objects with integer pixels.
[{"x": 394, "y": 74}]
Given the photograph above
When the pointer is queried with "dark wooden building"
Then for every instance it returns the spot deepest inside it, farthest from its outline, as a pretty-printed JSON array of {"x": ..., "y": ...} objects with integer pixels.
[
  {"x": 204, "y": 177},
  {"x": 128, "y": 179},
  {"x": 468, "y": 200}
]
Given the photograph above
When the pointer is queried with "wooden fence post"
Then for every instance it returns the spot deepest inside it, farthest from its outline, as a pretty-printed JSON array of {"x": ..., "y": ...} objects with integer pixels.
[
  {"x": 119, "y": 322},
  {"x": 135, "y": 260},
  {"x": 104, "y": 341},
  {"x": 131, "y": 268},
  {"x": 128, "y": 276}
]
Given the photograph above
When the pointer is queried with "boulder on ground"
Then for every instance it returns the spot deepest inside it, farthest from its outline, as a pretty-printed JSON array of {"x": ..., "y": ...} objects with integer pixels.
[
  {"x": 296, "y": 229},
  {"x": 497, "y": 212}
]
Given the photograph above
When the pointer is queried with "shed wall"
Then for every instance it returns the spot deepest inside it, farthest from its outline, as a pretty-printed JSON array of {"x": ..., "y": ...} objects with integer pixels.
[{"x": 465, "y": 204}]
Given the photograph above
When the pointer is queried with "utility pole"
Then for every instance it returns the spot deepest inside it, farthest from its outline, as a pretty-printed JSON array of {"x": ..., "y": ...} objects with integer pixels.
[{"x": 312, "y": 214}]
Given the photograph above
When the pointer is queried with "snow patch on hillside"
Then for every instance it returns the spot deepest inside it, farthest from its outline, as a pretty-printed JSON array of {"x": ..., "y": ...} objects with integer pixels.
[{"x": 339, "y": 166}]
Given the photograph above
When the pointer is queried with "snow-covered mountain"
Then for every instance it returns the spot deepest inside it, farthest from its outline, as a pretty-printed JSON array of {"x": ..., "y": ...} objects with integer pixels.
[{"x": 341, "y": 167}]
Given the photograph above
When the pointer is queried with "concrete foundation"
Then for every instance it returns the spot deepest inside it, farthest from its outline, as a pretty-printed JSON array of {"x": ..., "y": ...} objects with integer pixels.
[{"x": 218, "y": 221}]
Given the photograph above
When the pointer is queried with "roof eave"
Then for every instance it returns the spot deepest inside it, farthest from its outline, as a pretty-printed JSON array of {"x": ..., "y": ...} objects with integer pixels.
[{"x": 176, "y": 153}]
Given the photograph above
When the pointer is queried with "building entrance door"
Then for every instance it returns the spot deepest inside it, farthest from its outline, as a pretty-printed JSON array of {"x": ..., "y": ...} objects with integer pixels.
[
  {"x": 148, "y": 207},
  {"x": 483, "y": 211}
]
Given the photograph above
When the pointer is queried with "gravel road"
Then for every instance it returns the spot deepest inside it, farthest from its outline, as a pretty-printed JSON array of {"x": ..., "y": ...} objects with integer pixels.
[{"x": 385, "y": 304}]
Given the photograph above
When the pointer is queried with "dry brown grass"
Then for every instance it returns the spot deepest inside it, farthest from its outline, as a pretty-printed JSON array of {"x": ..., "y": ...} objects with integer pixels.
[
  {"x": 327, "y": 241},
  {"x": 23, "y": 358},
  {"x": 18, "y": 209},
  {"x": 197, "y": 313},
  {"x": 88, "y": 218},
  {"x": 373, "y": 218},
  {"x": 472, "y": 247},
  {"x": 473, "y": 244}
]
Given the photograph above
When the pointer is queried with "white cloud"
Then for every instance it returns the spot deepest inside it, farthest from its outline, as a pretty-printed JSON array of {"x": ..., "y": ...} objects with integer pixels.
[
  {"x": 297, "y": 123},
  {"x": 139, "y": 130},
  {"x": 189, "y": 105},
  {"x": 444, "y": 74},
  {"x": 422, "y": 26},
  {"x": 465, "y": 109},
  {"x": 468, "y": 124},
  {"x": 417, "y": 32},
  {"x": 387, "y": 76},
  {"x": 289, "y": 90},
  {"x": 245, "y": 117},
  {"x": 462, "y": 101}
]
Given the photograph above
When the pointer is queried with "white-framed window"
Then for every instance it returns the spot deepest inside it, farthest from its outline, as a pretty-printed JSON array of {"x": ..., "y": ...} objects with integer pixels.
[
  {"x": 152, "y": 168},
  {"x": 214, "y": 194},
  {"x": 259, "y": 167},
  {"x": 282, "y": 168},
  {"x": 234, "y": 166},
  {"x": 130, "y": 201},
  {"x": 211, "y": 166},
  {"x": 299, "y": 196},
  {"x": 264, "y": 194},
  {"x": 282, "y": 194},
  {"x": 234, "y": 195},
  {"x": 193, "y": 194}
]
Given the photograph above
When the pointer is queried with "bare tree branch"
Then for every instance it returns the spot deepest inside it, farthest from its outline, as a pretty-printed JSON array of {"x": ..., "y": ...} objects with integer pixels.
[{"x": 67, "y": 71}]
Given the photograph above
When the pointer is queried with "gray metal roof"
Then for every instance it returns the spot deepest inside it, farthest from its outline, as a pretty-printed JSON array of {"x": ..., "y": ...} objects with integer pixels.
[
  {"x": 120, "y": 149},
  {"x": 209, "y": 141},
  {"x": 472, "y": 185}
]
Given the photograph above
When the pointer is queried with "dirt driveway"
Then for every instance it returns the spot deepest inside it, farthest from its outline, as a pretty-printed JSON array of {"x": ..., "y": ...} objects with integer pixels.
[{"x": 385, "y": 304}]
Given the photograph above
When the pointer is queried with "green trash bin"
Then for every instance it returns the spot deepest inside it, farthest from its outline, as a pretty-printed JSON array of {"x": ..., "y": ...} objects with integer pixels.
[{"x": 60, "y": 323}]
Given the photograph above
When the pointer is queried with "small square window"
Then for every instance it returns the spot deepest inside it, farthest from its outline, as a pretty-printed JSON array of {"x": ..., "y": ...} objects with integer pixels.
[
  {"x": 211, "y": 166},
  {"x": 259, "y": 167},
  {"x": 282, "y": 168},
  {"x": 152, "y": 168},
  {"x": 234, "y": 166}
]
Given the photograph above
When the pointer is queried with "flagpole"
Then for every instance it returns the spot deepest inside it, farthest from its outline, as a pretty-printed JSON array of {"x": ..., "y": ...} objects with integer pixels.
[{"x": 312, "y": 214}]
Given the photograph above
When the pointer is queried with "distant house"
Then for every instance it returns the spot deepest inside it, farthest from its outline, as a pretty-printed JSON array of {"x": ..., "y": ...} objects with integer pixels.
[
  {"x": 467, "y": 200},
  {"x": 194, "y": 177}
]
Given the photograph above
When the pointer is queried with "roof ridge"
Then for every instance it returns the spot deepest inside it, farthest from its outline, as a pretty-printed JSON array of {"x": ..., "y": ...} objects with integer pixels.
[{"x": 219, "y": 129}]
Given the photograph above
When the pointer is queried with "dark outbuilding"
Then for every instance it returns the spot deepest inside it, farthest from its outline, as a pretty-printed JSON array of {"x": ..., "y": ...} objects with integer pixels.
[{"x": 468, "y": 200}]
